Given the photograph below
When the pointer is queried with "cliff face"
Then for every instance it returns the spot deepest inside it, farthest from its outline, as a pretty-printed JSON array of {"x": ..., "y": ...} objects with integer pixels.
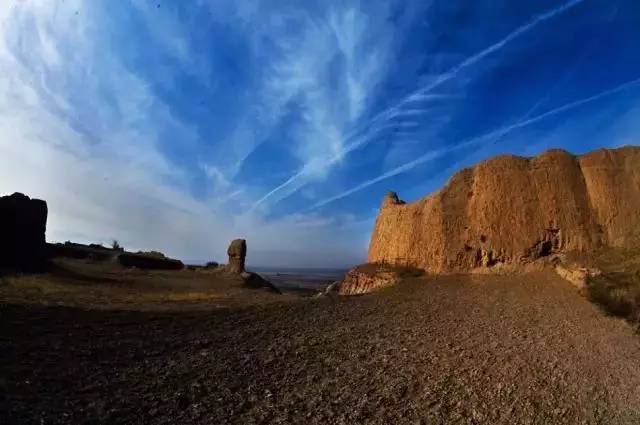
[{"x": 514, "y": 210}]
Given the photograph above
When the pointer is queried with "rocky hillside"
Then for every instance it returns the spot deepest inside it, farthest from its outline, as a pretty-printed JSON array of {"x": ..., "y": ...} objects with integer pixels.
[{"x": 512, "y": 210}]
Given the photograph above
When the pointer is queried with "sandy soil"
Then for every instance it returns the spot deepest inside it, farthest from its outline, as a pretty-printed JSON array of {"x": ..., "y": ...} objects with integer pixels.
[{"x": 469, "y": 350}]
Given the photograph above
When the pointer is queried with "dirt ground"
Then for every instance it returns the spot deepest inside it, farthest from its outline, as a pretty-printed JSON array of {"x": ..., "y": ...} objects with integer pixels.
[{"x": 456, "y": 349}]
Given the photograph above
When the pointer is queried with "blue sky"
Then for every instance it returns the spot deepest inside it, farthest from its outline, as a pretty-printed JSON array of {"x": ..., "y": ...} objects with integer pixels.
[{"x": 182, "y": 125}]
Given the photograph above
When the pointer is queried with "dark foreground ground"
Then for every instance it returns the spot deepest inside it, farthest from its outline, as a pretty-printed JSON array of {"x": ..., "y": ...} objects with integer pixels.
[{"x": 469, "y": 350}]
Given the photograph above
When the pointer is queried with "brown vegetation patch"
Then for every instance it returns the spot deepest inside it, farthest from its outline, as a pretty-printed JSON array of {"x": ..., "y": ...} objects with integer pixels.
[
  {"x": 617, "y": 289},
  {"x": 103, "y": 285}
]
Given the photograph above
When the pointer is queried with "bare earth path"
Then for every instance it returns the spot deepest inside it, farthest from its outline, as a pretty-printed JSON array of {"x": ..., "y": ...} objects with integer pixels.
[{"x": 434, "y": 350}]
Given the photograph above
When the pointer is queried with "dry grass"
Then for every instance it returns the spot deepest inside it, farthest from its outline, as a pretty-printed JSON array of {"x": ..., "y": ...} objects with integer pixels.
[
  {"x": 100, "y": 285},
  {"x": 617, "y": 290}
]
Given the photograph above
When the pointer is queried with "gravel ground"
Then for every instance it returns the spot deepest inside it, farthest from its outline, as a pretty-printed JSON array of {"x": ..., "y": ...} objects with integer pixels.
[{"x": 469, "y": 349}]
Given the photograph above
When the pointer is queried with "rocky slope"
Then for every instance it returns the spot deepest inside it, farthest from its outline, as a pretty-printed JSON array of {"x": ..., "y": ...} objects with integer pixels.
[
  {"x": 512, "y": 210},
  {"x": 368, "y": 278},
  {"x": 434, "y": 350}
]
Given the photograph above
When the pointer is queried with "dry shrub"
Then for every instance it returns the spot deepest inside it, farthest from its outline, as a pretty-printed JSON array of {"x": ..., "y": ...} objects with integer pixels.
[
  {"x": 617, "y": 301},
  {"x": 407, "y": 272},
  {"x": 618, "y": 289}
]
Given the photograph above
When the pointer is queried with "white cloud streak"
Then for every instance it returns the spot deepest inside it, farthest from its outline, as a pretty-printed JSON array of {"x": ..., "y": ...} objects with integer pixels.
[
  {"x": 82, "y": 131},
  {"x": 492, "y": 136},
  {"x": 315, "y": 75},
  {"x": 293, "y": 183}
]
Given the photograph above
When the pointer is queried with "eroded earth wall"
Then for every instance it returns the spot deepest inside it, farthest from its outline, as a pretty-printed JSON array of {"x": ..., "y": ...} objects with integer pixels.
[{"x": 513, "y": 210}]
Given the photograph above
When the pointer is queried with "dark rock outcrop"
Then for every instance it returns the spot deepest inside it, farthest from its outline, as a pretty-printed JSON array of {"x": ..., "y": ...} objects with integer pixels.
[
  {"x": 23, "y": 224},
  {"x": 91, "y": 252},
  {"x": 255, "y": 281},
  {"x": 98, "y": 253},
  {"x": 237, "y": 253},
  {"x": 391, "y": 198},
  {"x": 143, "y": 261}
]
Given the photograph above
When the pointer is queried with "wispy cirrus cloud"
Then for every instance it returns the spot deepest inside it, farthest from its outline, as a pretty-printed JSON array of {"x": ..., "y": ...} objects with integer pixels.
[
  {"x": 180, "y": 125},
  {"x": 81, "y": 129},
  {"x": 318, "y": 67},
  {"x": 487, "y": 138},
  {"x": 365, "y": 132}
]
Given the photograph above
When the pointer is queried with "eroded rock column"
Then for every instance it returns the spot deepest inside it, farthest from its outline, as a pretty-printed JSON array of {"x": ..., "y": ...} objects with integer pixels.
[
  {"x": 23, "y": 223},
  {"x": 237, "y": 253}
]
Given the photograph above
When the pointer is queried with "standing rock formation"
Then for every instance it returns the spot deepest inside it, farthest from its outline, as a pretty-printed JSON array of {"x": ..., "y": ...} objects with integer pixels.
[
  {"x": 513, "y": 210},
  {"x": 23, "y": 224},
  {"x": 237, "y": 252}
]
